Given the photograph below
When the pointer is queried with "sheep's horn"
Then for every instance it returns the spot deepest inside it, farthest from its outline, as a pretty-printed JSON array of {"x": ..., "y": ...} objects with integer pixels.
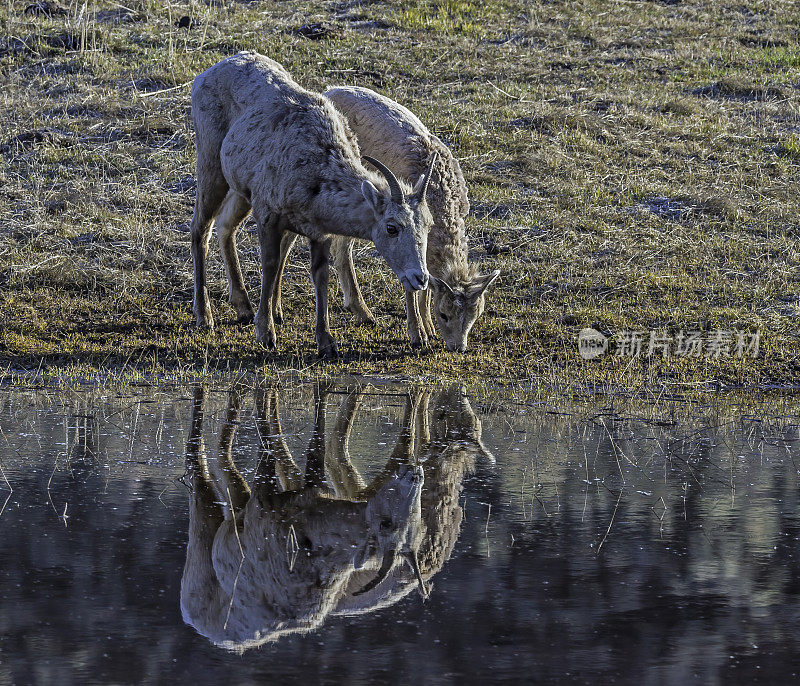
[
  {"x": 441, "y": 285},
  {"x": 391, "y": 179},
  {"x": 485, "y": 453},
  {"x": 386, "y": 567},
  {"x": 420, "y": 195},
  {"x": 412, "y": 560}
]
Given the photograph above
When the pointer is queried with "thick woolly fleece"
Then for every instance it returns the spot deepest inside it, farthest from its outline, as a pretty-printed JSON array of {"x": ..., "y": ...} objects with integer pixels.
[
  {"x": 394, "y": 135},
  {"x": 281, "y": 146}
]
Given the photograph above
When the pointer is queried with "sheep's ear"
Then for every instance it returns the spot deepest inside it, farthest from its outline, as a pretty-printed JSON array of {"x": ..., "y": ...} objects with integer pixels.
[
  {"x": 441, "y": 286},
  {"x": 481, "y": 282},
  {"x": 371, "y": 194}
]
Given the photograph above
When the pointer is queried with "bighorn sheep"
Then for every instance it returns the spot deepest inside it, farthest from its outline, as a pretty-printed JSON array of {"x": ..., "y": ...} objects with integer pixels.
[
  {"x": 261, "y": 564},
  {"x": 278, "y": 562},
  {"x": 267, "y": 144},
  {"x": 390, "y": 132}
]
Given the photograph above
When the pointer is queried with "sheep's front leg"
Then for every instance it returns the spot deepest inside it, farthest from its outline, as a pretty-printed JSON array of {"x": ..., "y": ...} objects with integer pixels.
[
  {"x": 230, "y": 485},
  {"x": 269, "y": 239},
  {"x": 319, "y": 273},
  {"x": 425, "y": 312},
  {"x": 403, "y": 452},
  {"x": 276, "y": 471},
  {"x": 287, "y": 243},
  {"x": 315, "y": 455},
  {"x": 342, "y": 250},
  {"x": 423, "y": 428},
  {"x": 346, "y": 479},
  {"x": 416, "y": 331}
]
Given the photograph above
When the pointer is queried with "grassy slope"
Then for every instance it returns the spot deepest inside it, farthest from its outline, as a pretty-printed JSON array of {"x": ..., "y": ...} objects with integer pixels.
[{"x": 569, "y": 119}]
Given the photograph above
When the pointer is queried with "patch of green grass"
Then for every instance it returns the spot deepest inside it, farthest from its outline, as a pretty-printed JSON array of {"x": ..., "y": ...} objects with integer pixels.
[
  {"x": 465, "y": 17},
  {"x": 790, "y": 146},
  {"x": 786, "y": 57}
]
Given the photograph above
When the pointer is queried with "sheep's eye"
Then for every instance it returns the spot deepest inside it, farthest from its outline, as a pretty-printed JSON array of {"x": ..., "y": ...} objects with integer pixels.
[
  {"x": 392, "y": 229},
  {"x": 444, "y": 317}
]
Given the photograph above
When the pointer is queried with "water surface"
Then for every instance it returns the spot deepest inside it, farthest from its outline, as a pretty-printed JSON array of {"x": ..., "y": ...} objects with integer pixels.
[{"x": 213, "y": 537}]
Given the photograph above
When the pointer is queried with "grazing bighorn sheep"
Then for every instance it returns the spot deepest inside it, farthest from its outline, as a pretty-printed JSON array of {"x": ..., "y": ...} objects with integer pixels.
[
  {"x": 272, "y": 563},
  {"x": 390, "y": 132},
  {"x": 267, "y": 144}
]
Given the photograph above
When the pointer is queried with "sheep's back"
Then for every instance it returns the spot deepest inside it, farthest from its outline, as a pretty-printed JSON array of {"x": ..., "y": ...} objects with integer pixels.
[{"x": 394, "y": 135}]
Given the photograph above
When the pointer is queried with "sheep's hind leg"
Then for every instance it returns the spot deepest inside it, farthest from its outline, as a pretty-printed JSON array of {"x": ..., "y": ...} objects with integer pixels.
[
  {"x": 287, "y": 243},
  {"x": 269, "y": 238},
  {"x": 199, "y": 584},
  {"x": 211, "y": 191},
  {"x": 319, "y": 273},
  {"x": 416, "y": 331},
  {"x": 342, "y": 251},
  {"x": 234, "y": 211}
]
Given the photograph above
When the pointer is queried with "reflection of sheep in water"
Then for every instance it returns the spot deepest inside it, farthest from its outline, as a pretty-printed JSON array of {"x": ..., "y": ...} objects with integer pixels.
[
  {"x": 277, "y": 563},
  {"x": 447, "y": 450},
  {"x": 297, "y": 556}
]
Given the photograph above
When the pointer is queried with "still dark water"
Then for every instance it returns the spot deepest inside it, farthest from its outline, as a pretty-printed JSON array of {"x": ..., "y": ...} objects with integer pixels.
[{"x": 210, "y": 537}]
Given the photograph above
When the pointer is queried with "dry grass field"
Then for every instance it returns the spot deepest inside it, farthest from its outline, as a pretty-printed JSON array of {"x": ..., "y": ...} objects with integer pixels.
[{"x": 632, "y": 166}]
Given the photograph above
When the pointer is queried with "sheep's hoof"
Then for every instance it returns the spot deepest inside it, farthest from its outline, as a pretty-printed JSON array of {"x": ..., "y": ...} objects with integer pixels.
[
  {"x": 205, "y": 323},
  {"x": 328, "y": 349},
  {"x": 362, "y": 314},
  {"x": 418, "y": 343},
  {"x": 266, "y": 340},
  {"x": 244, "y": 309},
  {"x": 329, "y": 355}
]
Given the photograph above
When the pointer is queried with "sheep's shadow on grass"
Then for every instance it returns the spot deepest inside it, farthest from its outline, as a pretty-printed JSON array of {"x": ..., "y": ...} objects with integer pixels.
[{"x": 212, "y": 354}]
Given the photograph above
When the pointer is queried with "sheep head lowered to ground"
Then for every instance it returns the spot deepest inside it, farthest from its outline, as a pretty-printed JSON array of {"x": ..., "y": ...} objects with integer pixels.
[
  {"x": 394, "y": 525},
  {"x": 457, "y": 305},
  {"x": 447, "y": 447},
  {"x": 393, "y": 133}
]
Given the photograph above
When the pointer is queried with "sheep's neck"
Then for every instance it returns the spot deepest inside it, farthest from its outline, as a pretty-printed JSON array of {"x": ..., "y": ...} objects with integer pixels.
[{"x": 346, "y": 212}]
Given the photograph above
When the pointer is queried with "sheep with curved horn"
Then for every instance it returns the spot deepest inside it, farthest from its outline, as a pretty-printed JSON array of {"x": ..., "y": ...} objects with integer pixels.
[
  {"x": 268, "y": 145},
  {"x": 244, "y": 583}
]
